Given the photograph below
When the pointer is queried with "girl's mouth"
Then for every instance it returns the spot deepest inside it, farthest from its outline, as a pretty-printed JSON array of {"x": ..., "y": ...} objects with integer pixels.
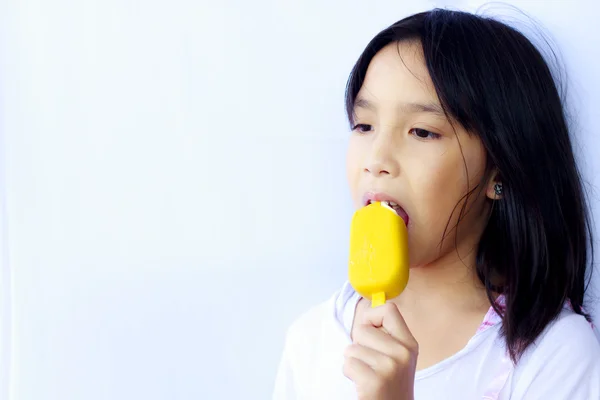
[{"x": 395, "y": 207}]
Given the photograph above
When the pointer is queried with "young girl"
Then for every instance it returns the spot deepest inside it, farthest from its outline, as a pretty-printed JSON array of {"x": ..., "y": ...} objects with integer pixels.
[{"x": 457, "y": 119}]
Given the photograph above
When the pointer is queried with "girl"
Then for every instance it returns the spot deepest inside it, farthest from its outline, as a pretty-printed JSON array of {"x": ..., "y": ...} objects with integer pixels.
[{"x": 457, "y": 119}]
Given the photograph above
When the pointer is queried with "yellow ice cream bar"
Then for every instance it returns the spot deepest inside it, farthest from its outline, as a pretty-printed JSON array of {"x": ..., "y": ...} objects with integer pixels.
[{"x": 378, "y": 263}]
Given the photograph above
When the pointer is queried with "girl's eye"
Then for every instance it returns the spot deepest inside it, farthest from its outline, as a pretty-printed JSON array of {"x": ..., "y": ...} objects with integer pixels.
[
  {"x": 362, "y": 128},
  {"x": 424, "y": 134}
]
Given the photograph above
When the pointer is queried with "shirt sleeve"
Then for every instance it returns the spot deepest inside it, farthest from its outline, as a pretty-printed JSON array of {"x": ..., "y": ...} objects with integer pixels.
[
  {"x": 284, "y": 381},
  {"x": 564, "y": 364}
]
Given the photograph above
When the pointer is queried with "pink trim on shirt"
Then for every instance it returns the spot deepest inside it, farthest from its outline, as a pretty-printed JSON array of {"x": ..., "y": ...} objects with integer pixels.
[
  {"x": 505, "y": 365},
  {"x": 492, "y": 318}
]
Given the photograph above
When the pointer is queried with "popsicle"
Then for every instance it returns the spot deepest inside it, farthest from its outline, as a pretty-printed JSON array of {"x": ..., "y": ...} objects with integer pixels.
[{"x": 378, "y": 263}]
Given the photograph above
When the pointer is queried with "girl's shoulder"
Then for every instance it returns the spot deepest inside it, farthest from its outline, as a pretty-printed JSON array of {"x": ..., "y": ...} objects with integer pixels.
[
  {"x": 313, "y": 342},
  {"x": 564, "y": 362},
  {"x": 317, "y": 319},
  {"x": 569, "y": 336}
]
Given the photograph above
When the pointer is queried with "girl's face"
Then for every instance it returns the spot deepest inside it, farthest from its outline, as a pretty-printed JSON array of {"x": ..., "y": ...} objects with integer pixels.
[{"x": 403, "y": 147}]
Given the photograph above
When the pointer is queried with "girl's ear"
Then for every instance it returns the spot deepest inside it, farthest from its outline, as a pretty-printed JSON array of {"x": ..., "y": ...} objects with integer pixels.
[{"x": 494, "y": 187}]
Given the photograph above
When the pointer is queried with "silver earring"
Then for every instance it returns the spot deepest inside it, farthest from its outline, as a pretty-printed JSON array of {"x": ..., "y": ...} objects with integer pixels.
[{"x": 498, "y": 189}]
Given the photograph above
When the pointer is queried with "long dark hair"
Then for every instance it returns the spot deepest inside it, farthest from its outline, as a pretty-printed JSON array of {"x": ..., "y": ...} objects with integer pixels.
[{"x": 494, "y": 82}]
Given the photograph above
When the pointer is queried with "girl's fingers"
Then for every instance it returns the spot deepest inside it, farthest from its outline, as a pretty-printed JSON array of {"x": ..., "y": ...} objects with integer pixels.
[
  {"x": 389, "y": 318},
  {"x": 358, "y": 371},
  {"x": 368, "y": 338},
  {"x": 373, "y": 358}
]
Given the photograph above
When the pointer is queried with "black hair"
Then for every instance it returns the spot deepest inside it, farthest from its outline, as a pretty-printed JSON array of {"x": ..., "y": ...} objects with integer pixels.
[{"x": 496, "y": 84}]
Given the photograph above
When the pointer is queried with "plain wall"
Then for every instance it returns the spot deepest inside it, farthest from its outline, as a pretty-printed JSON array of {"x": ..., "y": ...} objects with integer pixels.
[{"x": 174, "y": 189}]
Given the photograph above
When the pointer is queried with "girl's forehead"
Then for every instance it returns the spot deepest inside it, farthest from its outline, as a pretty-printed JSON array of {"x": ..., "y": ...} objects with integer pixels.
[{"x": 398, "y": 73}]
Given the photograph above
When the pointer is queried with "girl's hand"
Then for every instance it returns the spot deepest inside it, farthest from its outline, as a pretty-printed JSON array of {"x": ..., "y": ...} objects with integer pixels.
[{"x": 383, "y": 358}]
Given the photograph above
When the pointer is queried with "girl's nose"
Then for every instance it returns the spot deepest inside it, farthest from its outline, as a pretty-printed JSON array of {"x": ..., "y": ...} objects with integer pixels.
[{"x": 382, "y": 160}]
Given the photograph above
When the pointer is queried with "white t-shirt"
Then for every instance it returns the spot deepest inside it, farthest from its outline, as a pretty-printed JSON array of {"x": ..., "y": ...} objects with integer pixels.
[{"x": 564, "y": 363}]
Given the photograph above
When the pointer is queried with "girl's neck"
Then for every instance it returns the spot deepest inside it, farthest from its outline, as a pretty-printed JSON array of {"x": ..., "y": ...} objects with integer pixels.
[{"x": 446, "y": 284}]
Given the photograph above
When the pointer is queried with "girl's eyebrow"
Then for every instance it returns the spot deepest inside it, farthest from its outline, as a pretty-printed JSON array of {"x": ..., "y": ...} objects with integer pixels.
[{"x": 409, "y": 108}]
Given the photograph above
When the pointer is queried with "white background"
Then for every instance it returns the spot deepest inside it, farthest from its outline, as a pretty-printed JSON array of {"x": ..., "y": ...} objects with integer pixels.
[{"x": 174, "y": 188}]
